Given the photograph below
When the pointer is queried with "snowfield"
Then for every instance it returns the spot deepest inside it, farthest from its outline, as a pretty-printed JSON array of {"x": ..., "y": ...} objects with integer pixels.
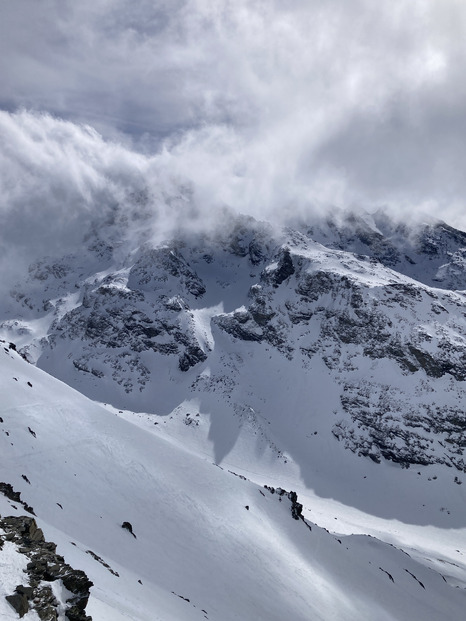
[
  {"x": 189, "y": 388},
  {"x": 91, "y": 469}
]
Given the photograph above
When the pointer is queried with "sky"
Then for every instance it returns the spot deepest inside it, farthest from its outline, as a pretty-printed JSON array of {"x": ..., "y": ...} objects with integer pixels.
[{"x": 271, "y": 108}]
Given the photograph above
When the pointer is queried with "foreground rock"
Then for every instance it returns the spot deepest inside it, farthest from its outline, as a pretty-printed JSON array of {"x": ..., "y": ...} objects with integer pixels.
[{"x": 45, "y": 567}]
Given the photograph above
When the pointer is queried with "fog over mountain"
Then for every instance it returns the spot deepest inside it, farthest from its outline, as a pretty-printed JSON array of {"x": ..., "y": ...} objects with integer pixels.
[
  {"x": 272, "y": 109},
  {"x": 232, "y": 326}
]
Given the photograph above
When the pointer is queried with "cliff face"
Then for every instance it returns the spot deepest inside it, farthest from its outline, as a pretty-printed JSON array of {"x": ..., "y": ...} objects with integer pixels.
[{"x": 166, "y": 317}]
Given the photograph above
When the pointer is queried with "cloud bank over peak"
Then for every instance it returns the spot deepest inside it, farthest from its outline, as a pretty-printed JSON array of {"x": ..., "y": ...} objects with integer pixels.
[
  {"x": 59, "y": 180},
  {"x": 274, "y": 109}
]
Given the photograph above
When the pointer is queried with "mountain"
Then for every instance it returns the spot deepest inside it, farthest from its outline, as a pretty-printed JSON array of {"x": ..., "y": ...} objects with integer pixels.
[{"x": 326, "y": 359}]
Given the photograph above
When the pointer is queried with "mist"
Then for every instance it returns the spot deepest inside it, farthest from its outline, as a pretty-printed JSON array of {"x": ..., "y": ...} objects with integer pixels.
[{"x": 184, "y": 108}]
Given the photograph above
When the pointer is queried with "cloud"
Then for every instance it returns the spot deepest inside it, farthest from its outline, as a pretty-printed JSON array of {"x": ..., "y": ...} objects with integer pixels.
[
  {"x": 60, "y": 179},
  {"x": 272, "y": 108}
]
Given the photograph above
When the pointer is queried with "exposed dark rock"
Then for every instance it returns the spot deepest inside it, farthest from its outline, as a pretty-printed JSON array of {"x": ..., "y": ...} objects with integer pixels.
[
  {"x": 241, "y": 325},
  {"x": 128, "y": 526},
  {"x": 154, "y": 265},
  {"x": 102, "y": 562},
  {"x": 81, "y": 365},
  {"x": 439, "y": 366},
  {"x": 285, "y": 268},
  {"x": 28, "y": 591},
  {"x": 296, "y": 507},
  {"x": 388, "y": 574},
  {"x": 191, "y": 356},
  {"x": 312, "y": 286},
  {"x": 257, "y": 253},
  {"x": 7, "y": 490},
  {"x": 19, "y": 601},
  {"x": 44, "y": 566},
  {"x": 413, "y": 576},
  {"x": 239, "y": 243},
  {"x": 384, "y": 428}
]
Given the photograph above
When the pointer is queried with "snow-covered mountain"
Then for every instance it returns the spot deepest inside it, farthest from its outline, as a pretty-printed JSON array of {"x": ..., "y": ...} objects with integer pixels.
[{"x": 326, "y": 359}]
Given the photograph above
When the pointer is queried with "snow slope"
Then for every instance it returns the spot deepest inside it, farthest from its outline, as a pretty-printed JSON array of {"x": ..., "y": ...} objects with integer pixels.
[
  {"x": 90, "y": 469},
  {"x": 219, "y": 363}
]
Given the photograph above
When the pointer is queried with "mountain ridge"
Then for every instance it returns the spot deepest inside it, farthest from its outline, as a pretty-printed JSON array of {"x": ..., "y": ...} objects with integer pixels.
[
  {"x": 114, "y": 328},
  {"x": 287, "y": 362}
]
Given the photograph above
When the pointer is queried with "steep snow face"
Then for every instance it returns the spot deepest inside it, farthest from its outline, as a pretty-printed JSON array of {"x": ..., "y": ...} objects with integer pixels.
[
  {"x": 203, "y": 542},
  {"x": 381, "y": 354}
]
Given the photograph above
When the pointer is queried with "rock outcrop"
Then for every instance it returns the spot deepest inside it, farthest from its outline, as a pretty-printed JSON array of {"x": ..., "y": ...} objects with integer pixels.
[{"x": 44, "y": 568}]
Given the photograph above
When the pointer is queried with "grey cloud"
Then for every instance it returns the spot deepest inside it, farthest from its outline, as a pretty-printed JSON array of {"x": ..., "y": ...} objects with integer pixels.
[
  {"x": 272, "y": 108},
  {"x": 58, "y": 179},
  {"x": 113, "y": 64}
]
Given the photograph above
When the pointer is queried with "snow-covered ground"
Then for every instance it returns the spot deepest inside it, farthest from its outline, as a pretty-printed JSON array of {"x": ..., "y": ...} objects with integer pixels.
[
  {"x": 203, "y": 533},
  {"x": 12, "y": 568},
  {"x": 216, "y": 366}
]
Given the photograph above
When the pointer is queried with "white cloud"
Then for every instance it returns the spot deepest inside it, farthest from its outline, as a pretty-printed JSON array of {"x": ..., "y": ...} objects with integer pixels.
[{"x": 270, "y": 107}]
